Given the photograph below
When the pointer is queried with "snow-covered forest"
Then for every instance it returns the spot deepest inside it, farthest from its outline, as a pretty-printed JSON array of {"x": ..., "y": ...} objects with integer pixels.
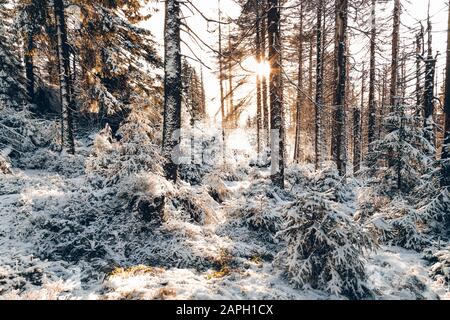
[{"x": 225, "y": 149}]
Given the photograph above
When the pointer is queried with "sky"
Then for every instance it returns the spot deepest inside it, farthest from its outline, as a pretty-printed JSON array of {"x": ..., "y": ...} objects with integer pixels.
[
  {"x": 207, "y": 32},
  {"x": 413, "y": 11}
]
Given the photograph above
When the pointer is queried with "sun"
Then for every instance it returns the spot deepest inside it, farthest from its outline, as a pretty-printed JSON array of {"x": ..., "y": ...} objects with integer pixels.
[{"x": 261, "y": 69}]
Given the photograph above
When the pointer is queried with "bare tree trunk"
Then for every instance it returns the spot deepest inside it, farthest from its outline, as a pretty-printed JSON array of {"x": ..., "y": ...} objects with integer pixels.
[
  {"x": 384, "y": 99},
  {"x": 429, "y": 89},
  {"x": 258, "y": 80},
  {"x": 29, "y": 66},
  {"x": 230, "y": 79},
  {"x": 310, "y": 125},
  {"x": 67, "y": 105},
  {"x": 419, "y": 91},
  {"x": 318, "y": 142},
  {"x": 445, "y": 177},
  {"x": 276, "y": 105},
  {"x": 221, "y": 77},
  {"x": 203, "y": 97},
  {"x": 300, "y": 97},
  {"x": 357, "y": 128},
  {"x": 265, "y": 106},
  {"x": 372, "y": 104},
  {"x": 192, "y": 92},
  {"x": 394, "y": 62},
  {"x": 339, "y": 145},
  {"x": 172, "y": 88}
]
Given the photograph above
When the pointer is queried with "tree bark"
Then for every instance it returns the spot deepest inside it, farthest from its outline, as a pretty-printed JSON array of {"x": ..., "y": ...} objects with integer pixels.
[
  {"x": 67, "y": 105},
  {"x": 394, "y": 62},
  {"x": 445, "y": 176},
  {"x": 265, "y": 105},
  {"x": 230, "y": 79},
  {"x": 29, "y": 66},
  {"x": 172, "y": 89},
  {"x": 419, "y": 91},
  {"x": 372, "y": 103},
  {"x": 357, "y": 128},
  {"x": 318, "y": 141},
  {"x": 202, "y": 88},
  {"x": 300, "y": 97},
  {"x": 339, "y": 145},
  {"x": 429, "y": 90},
  {"x": 258, "y": 80},
  {"x": 221, "y": 77},
  {"x": 276, "y": 106}
]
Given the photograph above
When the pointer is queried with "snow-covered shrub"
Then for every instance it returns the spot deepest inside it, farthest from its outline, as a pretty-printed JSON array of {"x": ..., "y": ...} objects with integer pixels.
[
  {"x": 299, "y": 177},
  {"x": 192, "y": 206},
  {"x": 258, "y": 209},
  {"x": 440, "y": 270},
  {"x": 193, "y": 173},
  {"x": 435, "y": 207},
  {"x": 136, "y": 151},
  {"x": 328, "y": 180},
  {"x": 399, "y": 160},
  {"x": 369, "y": 203},
  {"x": 23, "y": 132},
  {"x": 145, "y": 194},
  {"x": 401, "y": 224},
  {"x": 53, "y": 161},
  {"x": 260, "y": 215},
  {"x": 231, "y": 172},
  {"x": 216, "y": 187},
  {"x": 262, "y": 160},
  {"x": 324, "y": 247},
  {"x": 5, "y": 165}
]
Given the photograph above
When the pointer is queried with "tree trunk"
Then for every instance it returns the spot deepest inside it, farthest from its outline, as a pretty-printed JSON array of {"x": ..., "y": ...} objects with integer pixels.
[
  {"x": 258, "y": 80},
  {"x": 300, "y": 97},
  {"x": 372, "y": 104},
  {"x": 221, "y": 77},
  {"x": 318, "y": 141},
  {"x": 384, "y": 91},
  {"x": 265, "y": 106},
  {"x": 445, "y": 177},
  {"x": 67, "y": 105},
  {"x": 230, "y": 79},
  {"x": 339, "y": 145},
  {"x": 429, "y": 89},
  {"x": 202, "y": 88},
  {"x": 172, "y": 89},
  {"x": 357, "y": 128},
  {"x": 394, "y": 62},
  {"x": 276, "y": 106},
  {"x": 419, "y": 91},
  {"x": 29, "y": 66}
]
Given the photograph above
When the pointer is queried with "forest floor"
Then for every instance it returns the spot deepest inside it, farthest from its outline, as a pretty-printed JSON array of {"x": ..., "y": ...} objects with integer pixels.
[{"x": 394, "y": 273}]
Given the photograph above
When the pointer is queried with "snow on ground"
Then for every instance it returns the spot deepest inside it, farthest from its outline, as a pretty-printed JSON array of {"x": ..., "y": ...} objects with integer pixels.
[
  {"x": 394, "y": 273},
  {"x": 255, "y": 281}
]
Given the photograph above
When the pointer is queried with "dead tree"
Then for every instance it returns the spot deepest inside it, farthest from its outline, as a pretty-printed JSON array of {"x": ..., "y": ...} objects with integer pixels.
[
  {"x": 276, "y": 105},
  {"x": 172, "y": 89},
  {"x": 339, "y": 145}
]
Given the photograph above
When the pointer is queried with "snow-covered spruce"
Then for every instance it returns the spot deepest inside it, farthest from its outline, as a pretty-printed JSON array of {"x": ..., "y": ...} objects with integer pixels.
[
  {"x": 440, "y": 270},
  {"x": 136, "y": 151},
  {"x": 325, "y": 247},
  {"x": 401, "y": 224},
  {"x": 398, "y": 161}
]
